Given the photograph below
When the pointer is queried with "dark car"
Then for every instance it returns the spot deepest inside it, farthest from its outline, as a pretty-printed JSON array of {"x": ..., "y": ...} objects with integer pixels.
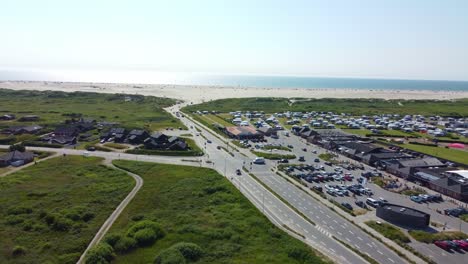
[
  {"x": 91, "y": 148},
  {"x": 347, "y": 206},
  {"x": 238, "y": 172},
  {"x": 290, "y": 146},
  {"x": 316, "y": 160},
  {"x": 328, "y": 163},
  {"x": 360, "y": 204},
  {"x": 452, "y": 244},
  {"x": 301, "y": 158},
  {"x": 317, "y": 188},
  {"x": 283, "y": 161},
  {"x": 442, "y": 244},
  {"x": 208, "y": 141},
  {"x": 304, "y": 149}
]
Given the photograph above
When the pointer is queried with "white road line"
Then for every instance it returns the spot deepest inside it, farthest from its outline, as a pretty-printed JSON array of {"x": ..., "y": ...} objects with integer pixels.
[
  {"x": 359, "y": 238},
  {"x": 369, "y": 245},
  {"x": 351, "y": 232},
  {"x": 378, "y": 251},
  {"x": 391, "y": 260}
]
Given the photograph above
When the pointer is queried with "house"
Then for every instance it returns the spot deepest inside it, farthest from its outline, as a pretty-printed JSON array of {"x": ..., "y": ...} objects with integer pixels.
[
  {"x": 7, "y": 117},
  {"x": 163, "y": 142},
  {"x": 267, "y": 131},
  {"x": 116, "y": 133},
  {"x": 406, "y": 168},
  {"x": 60, "y": 139},
  {"x": 16, "y": 158},
  {"x": 69, "y": 131},
  {"x": 28, "y": 118},
  {"x": 18, "y": 130},
  {"x": 453, "y": 183},
  {"x": 137, "y": 136},
  {"x": 243, "y": 132},
  {"x": 357, "y": 150}
]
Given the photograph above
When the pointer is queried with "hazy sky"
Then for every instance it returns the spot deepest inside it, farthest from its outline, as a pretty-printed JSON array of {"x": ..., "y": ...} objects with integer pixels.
[{"x": 420, "y": 39}]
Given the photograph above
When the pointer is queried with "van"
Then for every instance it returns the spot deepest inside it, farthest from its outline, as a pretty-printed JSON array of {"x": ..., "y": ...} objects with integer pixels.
[
  {"x": 372, "y": 202},
  {"x": 259, "y": 160}
]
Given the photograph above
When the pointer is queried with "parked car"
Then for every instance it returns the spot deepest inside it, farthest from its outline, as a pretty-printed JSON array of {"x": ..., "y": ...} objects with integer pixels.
[
  {"x": 331, "y": 192},
  {"x": 361, "y": 204},
  {"x": 218, "y": 147},
  {"x": 442, "y": 244},
  {"x": 304, "y": 149},
  {"x": 259, "y": 160},
  {"x": 328, "y": 163},
  {"x": 317, "y": 188},
  {"x": 456, "y": 211},
  {"x": 416, "y": 199},
  {"x": 347, "y": 206},
  {"x": 461, "y": 244},
  {"x": 208, "y": 141},
  {"x": 316, "y": 160},
  {"x": 301, "y": 158},
  {"x": 238, "y": 172},
  {"x": 290, "y": 146}
]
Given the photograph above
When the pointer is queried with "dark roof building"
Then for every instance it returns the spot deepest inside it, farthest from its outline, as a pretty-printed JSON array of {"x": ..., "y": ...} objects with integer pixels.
[
  {"x": 403, "y": 216},
  {"x": 406, "y": 168},
  {"x": 137, "y": 136},
  {"x": 28, "y": 118},
  {"x": 18, "y": 130},
  {"x": 16, "y": 158}
]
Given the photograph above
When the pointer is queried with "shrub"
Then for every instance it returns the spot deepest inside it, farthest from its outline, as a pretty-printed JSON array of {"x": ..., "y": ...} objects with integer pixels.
[
  {"x": 145, "y": 237},
  {"x": 62, "y": 224},
  {"x": 112, "y": 239},
  {"x": 190, "y": 251},
  {"x": 427, "y": 237},
  {"x": 170, "y": 256},
  {"x": 19, "y": 210},
  {"x": 389, "y": 232},
  {"x": 143, "y": 225},
  {"x": 102, "y": 253},
  {"x": 18, "y": 147},
  {"x": 125, "y": 244},
  {"x": 18, "y": 251},
  {"x": 14, "y": 219}
]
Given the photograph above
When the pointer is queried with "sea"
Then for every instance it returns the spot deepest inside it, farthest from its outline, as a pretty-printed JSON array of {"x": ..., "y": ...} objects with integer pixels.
[{"x": 176, "y": 78}]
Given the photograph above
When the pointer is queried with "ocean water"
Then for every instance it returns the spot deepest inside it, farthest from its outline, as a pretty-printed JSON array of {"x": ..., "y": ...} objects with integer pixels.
[{"x": 151, "y": 77}]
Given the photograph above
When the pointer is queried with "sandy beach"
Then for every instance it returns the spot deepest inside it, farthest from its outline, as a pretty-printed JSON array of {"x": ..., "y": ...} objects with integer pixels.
[{"x": 198, "y": 94}]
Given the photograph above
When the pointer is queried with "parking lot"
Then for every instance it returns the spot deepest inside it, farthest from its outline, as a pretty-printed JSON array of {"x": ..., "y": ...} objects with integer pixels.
[{"x": 335, "y": 179}]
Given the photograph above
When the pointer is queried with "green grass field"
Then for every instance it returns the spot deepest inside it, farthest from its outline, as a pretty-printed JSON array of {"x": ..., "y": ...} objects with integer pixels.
[
  {"x": 55, "y": 107},
  {"x": 353, "y": 106},
  {"x": 273, "y": 156},
  {"x": 455, "y": 155},
  {"x": 197, "y": 205},
  {"x": 50, "y": 215}
]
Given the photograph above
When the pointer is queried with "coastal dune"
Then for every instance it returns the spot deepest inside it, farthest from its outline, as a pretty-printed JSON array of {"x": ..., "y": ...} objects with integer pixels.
[{"x": 198, "y": 94}]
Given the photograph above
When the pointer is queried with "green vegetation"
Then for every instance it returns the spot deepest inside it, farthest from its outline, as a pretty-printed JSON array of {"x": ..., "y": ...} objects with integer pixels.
[
  {"x": 276, "y": 147},
  {"x": 464, "y": 217},
  {"x": 50, "y": 215},
  {"x": 389, "y": 231},
  {"x": 194, "y": 150},
  {"x": 273, "y": 156},
  {"x": 426, "y": 237},
  {"x": 456, "y": 108},
  {"x": 203, "y": 217},
  {"x": 328, "y": 157},
  {"x": 455, "y": 155},
  {"x": 415, "y": 191},
  {"x": 54, "y": 107},
  {"x": 115, "y": 145}
]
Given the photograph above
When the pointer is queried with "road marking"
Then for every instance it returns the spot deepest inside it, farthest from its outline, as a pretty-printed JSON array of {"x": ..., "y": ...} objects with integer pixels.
[
  {"x": 379, "y": 252},
  {"x": 332, "y": 250},
  {"x": 391, "y": 260},
  {"x": 359, "y": 238},
  {"x": 347, "y": 239},
  {"x": 328, "y": 216},
  {"x": 357, "y": 246},
  {"x": 321, "y": 242},
  {"x": 314, "y": 237},
  {"x": 335, "y": 221},
  {"x": 368, "y": 244},
  {"x": 339, "y": 233},
  {"x": 351, "y": 232}
]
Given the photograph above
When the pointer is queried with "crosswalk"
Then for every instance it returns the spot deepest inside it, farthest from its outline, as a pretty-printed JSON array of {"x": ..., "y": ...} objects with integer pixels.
[{"x": 323, "y": 231}]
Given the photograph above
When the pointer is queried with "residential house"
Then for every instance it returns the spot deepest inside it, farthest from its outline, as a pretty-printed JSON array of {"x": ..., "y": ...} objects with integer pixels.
[
  {"x": 18, "y": 130},
  {"x": 267, "y": 131},
  {"x": 118, "y": 134},
  {"x": 28, "y": 118},
  {"x": 137, "y": 136},
  {"x": 16, "y": 158},
  {"x": 243, "y": 132},
  {"x": 163, "y": 142},
  {"x": 406, "y": 168},
  {"x": 7, "y": 117}
]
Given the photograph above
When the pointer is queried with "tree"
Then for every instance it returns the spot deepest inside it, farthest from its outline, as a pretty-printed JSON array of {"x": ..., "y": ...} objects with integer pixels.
[{"x": 18, "y": 147}]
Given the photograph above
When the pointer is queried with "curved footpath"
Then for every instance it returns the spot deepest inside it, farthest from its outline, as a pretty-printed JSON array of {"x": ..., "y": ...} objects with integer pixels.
[{"x": 110, "y": 221}]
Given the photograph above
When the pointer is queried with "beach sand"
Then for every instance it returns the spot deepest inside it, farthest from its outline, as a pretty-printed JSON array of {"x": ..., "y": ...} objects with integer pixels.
[{"x": 198, "y": 94}]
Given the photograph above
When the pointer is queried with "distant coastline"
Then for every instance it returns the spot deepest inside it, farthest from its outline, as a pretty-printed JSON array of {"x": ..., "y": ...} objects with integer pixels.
[{"x": 198, "y": 93}]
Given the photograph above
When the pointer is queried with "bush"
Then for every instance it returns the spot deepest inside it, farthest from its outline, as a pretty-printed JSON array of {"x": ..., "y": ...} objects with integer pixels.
[
  {"x": 18, "y": 251},
  {"x": 19, "y": 210},
  {"x": 14, "y": 219},
  {"x": 427, "y": 237},
  {"x": 61, "y": 224},
  {"x": 389, "y": 232},
  {"x": 18, "y": 147},
  {"x": 143, "y": 225},
  {"x": 145, "y": 237},
  {"x": 125, "y": 244},
  {"x": 112, "y": 239},
  {"x": 101, "y": 254},
  {"x": 170, "y": 256},
  {"x": 190, "y": 251}
]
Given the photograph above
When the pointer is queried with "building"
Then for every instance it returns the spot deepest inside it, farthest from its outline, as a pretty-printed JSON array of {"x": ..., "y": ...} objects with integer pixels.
[
  {"x": 267, "y": 131},
  {"x": 18, "y": 130},
  {"x": 118, "y": 134},
  {"x": 16, "y": 158},
  {"x": 403, "y": 216},
  {"x": 137, "y": 136},
  {"x": 28, "y": 118},
  {"x": 7, "y": 117},
  {"x": 243, "y": 132},
  {"x": 406, "y": 168},
  {"x": 452, "y": 183},
  {"x": 162, "y": 142}
]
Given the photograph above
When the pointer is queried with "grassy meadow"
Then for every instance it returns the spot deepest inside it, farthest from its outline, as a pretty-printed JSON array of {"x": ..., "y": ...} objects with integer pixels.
[
  {"x": 196, "y": 206},
  {"x": 55, "y": 107},
  {"x": 456, "y": 108},
  {"x": 455, "y": 155},
  {"x": 50, "y": 215}
]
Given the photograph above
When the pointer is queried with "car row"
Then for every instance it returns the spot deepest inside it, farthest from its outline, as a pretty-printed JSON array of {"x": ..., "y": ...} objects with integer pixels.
[
  {"x": 452, "y": 244},
  {"x": 456, "y": 211},
  {"x": 424, "y": 198}
]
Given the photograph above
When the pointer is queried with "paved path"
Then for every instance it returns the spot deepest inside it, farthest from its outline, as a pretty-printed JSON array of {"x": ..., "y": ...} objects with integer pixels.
[{"x": 110, "y": 221}]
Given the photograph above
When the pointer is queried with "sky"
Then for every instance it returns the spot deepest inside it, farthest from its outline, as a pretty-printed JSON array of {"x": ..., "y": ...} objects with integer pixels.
[{"x": 417, "y": 39}]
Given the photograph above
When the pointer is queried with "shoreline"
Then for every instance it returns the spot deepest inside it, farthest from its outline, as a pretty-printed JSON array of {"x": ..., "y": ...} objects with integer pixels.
[{"x": 198, "y": 94}]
